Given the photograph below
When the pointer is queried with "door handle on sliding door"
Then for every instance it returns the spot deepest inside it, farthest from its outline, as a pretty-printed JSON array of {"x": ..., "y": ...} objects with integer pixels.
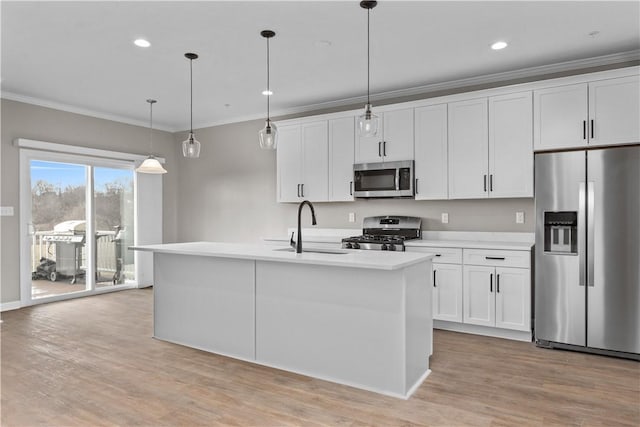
[{"x": 590, "y": 233}]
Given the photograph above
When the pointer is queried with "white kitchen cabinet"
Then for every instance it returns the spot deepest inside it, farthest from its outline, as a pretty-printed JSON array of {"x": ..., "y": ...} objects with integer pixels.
[
  {"x": 303, "y": 162},
  {"x": 289, "y": 163},
  {"x": 431, "y": 152},
  {"x": 602, "y": 112},
  {"x": 394, "y": 141},
  {"x": 614, "y": 111},
  {"x": 468, "y": 147},
  {"x": 511, "y": 145},
  {"x": 497, "y": 296},
  {"x": 447, "y": 292},
  {"x": 341, "y": 149}
]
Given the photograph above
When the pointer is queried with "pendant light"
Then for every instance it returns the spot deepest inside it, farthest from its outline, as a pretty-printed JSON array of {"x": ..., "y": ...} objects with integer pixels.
[
  {"x": 191, "y": 146},
  {"x": 151, "y": 164},
  {"x": 269, "y": 134},
  {"x": 368, "y": 122}
]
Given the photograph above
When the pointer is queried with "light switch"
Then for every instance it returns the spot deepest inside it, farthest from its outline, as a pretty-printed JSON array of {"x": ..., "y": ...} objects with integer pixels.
[
  {"x": 445, "y": 218},
  {"x": 6, "y": 211},
  {"x": 519, "y": 217},
  {"x": 352, "y": 217}
]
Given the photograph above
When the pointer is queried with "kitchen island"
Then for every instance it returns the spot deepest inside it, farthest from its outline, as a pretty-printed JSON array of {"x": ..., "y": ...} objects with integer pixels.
[{"x": 360, "y": 318}]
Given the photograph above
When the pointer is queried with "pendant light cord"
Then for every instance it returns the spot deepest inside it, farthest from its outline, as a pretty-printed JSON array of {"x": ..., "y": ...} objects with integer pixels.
[
  {"x": 268, "y": 91},
  {"x": 191, "y": 105},
  {"x": 151, "y": 127},
  {"x": 368, "y": 56}
]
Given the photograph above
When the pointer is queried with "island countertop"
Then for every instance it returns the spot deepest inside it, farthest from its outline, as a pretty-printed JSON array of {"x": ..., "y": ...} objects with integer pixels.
[{"x": 379, "y": 260}]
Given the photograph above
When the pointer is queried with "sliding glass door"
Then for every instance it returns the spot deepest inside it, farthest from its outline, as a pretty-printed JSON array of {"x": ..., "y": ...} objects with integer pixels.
[{"x": 80, "y": 227}]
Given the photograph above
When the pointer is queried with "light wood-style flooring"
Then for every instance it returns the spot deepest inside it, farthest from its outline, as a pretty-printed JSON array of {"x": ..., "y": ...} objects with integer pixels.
[{"x": 92, "y": 362}]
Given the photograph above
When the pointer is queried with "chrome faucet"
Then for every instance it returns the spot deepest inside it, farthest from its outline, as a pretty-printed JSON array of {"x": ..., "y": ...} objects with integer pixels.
[{"x": 298, "y": 244}]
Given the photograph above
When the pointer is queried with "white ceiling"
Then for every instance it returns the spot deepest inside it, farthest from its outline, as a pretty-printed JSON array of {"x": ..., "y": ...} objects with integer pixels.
[{"x": 79, "y": 56}]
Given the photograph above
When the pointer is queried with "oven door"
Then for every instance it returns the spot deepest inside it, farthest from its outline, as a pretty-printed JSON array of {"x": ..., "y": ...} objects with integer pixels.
[{"x": 391, "y": 179}]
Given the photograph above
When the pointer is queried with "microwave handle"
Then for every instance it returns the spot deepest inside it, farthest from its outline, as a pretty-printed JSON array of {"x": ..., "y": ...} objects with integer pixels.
[{"x": 397, "y": 179}]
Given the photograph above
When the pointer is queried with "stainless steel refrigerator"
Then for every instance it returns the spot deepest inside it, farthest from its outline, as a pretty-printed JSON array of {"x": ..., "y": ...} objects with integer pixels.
[{"x": 587, "y": 253}]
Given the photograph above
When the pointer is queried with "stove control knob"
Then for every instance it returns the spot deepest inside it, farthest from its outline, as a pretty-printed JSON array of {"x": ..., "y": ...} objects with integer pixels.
[
  {"x": 355, "y": 245},
  {"x": 348, "y": 245},
  {"x": 384, "y": 247},
  {"x": 392, "y": 247}
]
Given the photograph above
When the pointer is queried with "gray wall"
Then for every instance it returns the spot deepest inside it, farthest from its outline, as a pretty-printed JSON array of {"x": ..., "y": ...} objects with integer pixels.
[
  {"x": 21, "y": 120},
  {"x": 229, "y": 194}
]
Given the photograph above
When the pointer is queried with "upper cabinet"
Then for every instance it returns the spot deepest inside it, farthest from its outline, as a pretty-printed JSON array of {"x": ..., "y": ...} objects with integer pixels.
[
  {"x": 511, "y": 145},
  {"x": 490, "y": 147},
  {"x": 394, "y": 141},
  {"x": 468, "y": 149},
  {"x": 303, "y": 162},
  {"x": 431, "y": 152},
  {"x": 603, "y": 112},
  {"x": 341, "y": 148}
]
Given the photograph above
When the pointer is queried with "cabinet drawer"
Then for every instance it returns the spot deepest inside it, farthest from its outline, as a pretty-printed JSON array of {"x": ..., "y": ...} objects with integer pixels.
[
  {"x": 497, "y": 258},
  {"x": 442, "y": 255}
]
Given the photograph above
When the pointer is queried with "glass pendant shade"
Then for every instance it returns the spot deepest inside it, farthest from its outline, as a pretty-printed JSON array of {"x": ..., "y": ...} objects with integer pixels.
[
  {"x": 191, "y": 147},
  {"x": 268, "y": 136},
  {"x": 368, "y": 123},
  {"x": 151, "y": 165}
]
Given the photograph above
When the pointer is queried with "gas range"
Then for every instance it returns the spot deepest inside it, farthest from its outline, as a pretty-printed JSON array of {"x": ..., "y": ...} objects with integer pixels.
[{"x": 385, "y": 233}]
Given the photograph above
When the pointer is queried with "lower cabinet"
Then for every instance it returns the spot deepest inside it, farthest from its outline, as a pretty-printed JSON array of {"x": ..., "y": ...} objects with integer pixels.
[
  {"x": 447, "y": 292},
  {"x": 497, "y": 296}
]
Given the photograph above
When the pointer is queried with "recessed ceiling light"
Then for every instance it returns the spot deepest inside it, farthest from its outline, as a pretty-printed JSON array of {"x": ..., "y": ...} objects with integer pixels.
[
  {"x": 142, "y": 43},
  {"x": 267, "y": 92},
  {"x": 498, "y": 45}
]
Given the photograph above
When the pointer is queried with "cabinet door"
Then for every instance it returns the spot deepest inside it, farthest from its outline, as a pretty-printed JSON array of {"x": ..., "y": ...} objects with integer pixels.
[
  {"x": 478, "y": 295},
  {"x": 614, "y": 111},
  {"x": 468, "y": 149},
  {"x": 447, "y": 292},
  {"x": 315, "y": 162},
  {"x": 369, "y": 149},
  {"x": 560, "y": 117},
  {"x": 397, "y": 144},
  {"x": 431, "y": 152},
  {"x": 511, "y": 145},
  {"x": 513, "y": 298},
  {"x": 341, "y": 147},
  {"x": 288, "y": 164}
]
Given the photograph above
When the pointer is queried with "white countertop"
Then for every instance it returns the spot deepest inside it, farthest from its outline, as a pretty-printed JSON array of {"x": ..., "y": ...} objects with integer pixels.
[
  {"x": 378, "y": 260},
  {"x": 467, "y": 244}
]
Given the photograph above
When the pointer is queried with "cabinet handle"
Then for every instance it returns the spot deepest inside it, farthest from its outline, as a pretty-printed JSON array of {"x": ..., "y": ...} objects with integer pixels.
[
  {"x": 584, "y": 129},
  {"x": 491, "y": 283},
  {"x": 491, "y": 182},
  {"x": 351, "y": 188},
  {"x": 298, "y": 190},
  {"x": 302, "y": 190},
  {"x": 499, "y": 258},
  {"x": 497, "y": 283},
  {"x": 416, "y": 186},
  {"x": 379, "y": 151},
  {"x": 438, "y": 255},
  {"x": 384, "y": 148},
  {"x": 434, "y": 278},
  {"x": 592, "y": 129},
  {"x": 485, "y": 182}
]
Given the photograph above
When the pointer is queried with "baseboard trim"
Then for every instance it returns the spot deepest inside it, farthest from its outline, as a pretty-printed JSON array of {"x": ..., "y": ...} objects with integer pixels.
[
  {"x": 483, "y": 330},
  {"x": 11, "y": 305}
]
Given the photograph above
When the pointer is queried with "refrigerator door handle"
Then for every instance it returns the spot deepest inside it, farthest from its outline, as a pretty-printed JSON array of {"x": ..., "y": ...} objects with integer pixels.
[
  {"x": 582, "y": 195},
  {"x": 590, "y": 233}
]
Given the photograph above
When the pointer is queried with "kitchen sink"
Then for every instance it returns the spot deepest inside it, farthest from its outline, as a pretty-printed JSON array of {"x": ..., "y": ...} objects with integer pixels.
[{"x": 315, "y": 251}]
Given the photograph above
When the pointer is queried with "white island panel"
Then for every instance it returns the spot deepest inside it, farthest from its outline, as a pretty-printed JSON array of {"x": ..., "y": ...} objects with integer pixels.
[
  {"x": 366, "y": 328},
  {"x": 205, "y": 303}
]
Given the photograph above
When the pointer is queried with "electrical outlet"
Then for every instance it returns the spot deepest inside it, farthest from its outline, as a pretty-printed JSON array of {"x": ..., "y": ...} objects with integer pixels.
[
  {"x": 352, "y": 217},
  {"x": 519, "y": 217},
  {"x": 445, "y": 218},
  {"x": 6, "y": 211}
]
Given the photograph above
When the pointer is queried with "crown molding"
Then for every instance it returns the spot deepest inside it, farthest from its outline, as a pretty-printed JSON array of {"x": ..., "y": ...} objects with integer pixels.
[
  {"x": 12, "y": 96},
  {"x": 530, "y": 72}
]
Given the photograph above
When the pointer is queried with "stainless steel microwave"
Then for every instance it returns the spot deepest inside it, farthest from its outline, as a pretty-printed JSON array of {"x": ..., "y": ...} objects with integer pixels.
[{"x": 389, "y": 179}]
